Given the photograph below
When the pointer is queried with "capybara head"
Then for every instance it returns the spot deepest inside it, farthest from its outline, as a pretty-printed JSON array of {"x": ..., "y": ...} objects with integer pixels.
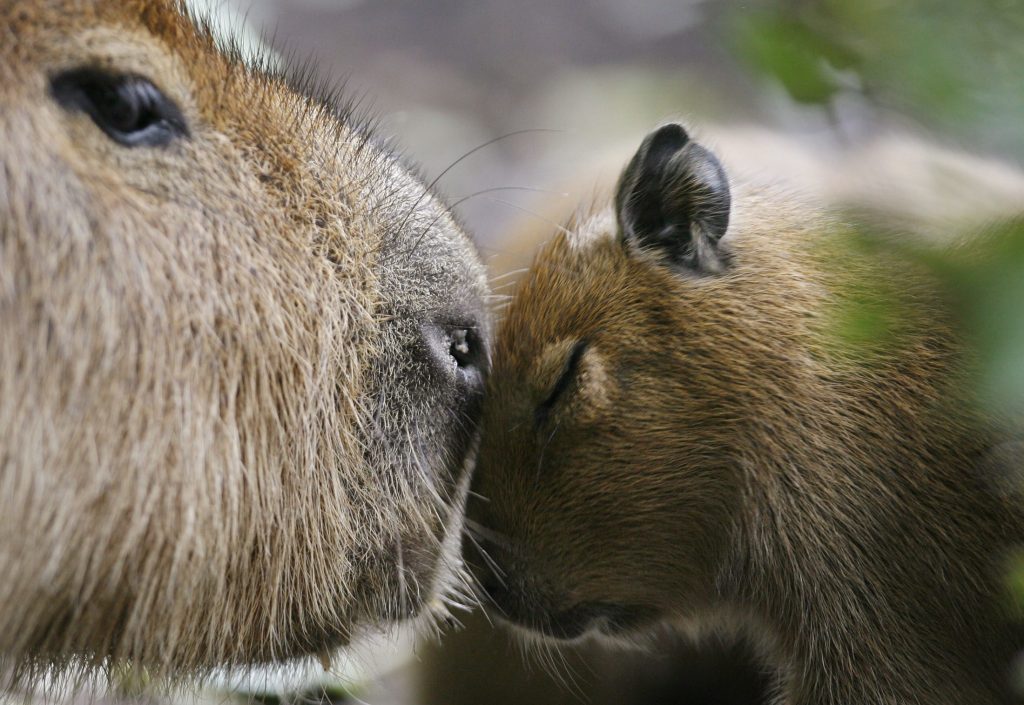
[
  {"x": 242, "y": 351},
  {"x": 602, "y": 471},
  {"x": 671, "y": 405},
  {"x": 720, "y": 408}
]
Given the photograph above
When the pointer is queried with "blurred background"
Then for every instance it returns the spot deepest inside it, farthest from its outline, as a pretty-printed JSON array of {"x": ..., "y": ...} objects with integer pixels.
[
  {"x": 585, "y": 79},
  {"x": 907, "y": 110}
]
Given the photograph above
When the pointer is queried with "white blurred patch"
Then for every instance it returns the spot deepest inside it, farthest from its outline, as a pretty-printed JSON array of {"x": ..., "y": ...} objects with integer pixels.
[
  {"x": 234, "y": 25},
  {"x": 599, "y": 227},
  {"x": 911, "y": 181},
  {"x": 650, "y": 19}
]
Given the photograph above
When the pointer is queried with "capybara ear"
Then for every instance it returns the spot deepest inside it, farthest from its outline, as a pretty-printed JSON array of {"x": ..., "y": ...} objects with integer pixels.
[{"x": 673, "y": 200}]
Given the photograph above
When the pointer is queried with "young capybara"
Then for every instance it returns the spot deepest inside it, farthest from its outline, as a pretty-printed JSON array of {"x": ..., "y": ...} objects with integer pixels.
[{"x": 678, "y": 430}]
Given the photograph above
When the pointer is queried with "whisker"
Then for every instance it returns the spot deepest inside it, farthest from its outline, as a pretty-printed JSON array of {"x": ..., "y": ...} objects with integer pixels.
[
  {"x": 481, "y": 531},
  {"x": 460, "y": 201},
  {"x": 544, "y": 448},
  {"x": 492, "y": 565},
  {"x": 512, "y": 273},
  {"x": 546, "y": 221},
  {"x": 427, "y": 190}
]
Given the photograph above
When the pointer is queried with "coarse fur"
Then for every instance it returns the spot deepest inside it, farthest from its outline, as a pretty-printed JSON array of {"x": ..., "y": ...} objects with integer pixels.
[
  {"x": 669, "y": 442},
  {"x": 231, "y": 427}
]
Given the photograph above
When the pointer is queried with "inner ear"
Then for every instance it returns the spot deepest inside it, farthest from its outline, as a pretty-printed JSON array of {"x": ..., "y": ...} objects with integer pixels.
[{"x": 673, "y": 200}]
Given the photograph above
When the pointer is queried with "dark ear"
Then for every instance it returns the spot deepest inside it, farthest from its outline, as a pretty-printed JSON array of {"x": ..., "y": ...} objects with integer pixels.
[{"x": 673, "y": 200}]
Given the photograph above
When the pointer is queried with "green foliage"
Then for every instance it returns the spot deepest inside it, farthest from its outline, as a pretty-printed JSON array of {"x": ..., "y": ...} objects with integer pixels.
[
  {"x": 789, "y": 50},
  {"x": 982, "y": 278},
  {"x": 1015, "y": 582},
  {"x": 867, "y": 318},
  {"x": 953, "y": 66},
  {"x": 950, "y": 64},
  {"x": 986, "y": 281}
]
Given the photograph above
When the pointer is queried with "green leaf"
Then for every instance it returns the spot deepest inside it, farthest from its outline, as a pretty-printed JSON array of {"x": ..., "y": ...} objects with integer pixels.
[{"x": 795, "y": 55}]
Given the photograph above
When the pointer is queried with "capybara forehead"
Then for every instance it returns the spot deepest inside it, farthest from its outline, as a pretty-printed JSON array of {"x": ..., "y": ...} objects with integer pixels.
[{"x": 581, "y": 287}]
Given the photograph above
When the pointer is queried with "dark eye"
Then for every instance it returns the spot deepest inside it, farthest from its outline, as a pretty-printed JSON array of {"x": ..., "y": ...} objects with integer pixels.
[
  {"x": 128, "y": 108},
  {"x": 572, "y": 364}
]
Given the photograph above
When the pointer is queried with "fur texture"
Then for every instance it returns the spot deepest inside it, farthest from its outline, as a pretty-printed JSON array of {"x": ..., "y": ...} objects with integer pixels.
[
  {"x": 710, "y": 449},
  {"x": 231, "y": 430}
]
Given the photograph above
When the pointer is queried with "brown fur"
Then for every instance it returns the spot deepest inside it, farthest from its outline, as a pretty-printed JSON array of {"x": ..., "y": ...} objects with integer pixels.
[
  {"x": 221, "y": 440},
  {"x": 725, "y": 460}
]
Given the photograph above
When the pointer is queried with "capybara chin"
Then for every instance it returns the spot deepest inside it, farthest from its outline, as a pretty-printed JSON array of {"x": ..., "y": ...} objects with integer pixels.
[
  {"x": 241, "y": 355},
  {"x": 681, "y": 426}
]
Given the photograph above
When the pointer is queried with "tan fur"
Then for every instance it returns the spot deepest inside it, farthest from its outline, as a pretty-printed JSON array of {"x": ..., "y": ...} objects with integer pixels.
[
  {"x": 218, "y": 444},
  {"x": 725, "y": 460}
]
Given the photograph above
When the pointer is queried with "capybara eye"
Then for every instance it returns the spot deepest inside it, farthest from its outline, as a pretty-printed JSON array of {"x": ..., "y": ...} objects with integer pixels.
[
  {"x": 569, "y": 370},
  {"x": 127, "y": 107}
]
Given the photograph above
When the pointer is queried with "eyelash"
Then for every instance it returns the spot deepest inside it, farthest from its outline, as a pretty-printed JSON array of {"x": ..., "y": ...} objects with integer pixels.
[{"x": 572, "y": 364}]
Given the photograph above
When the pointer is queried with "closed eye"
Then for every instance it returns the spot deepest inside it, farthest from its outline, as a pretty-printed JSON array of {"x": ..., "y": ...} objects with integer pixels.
[{"x": 569, "y": 369}]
